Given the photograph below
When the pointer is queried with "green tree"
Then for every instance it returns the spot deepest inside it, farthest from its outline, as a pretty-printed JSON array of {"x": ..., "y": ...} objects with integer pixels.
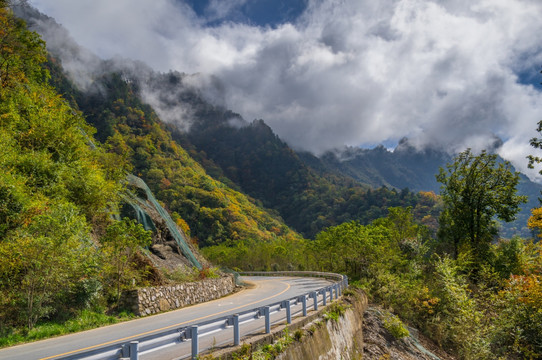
[
  {"x": 119, "y": 248},
  {"x": 537, "y": 144},
  {"x": 476, "y": 189},
  {"x": 535, "y": 221},
  {"x": 42, "y": 263},
  {"x": 21, "y": 51}
]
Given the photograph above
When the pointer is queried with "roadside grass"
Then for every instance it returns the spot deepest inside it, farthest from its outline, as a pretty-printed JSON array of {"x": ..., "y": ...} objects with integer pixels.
[
  {"x": 87, "y": 320},
  {"x": 267, "y": 351}
]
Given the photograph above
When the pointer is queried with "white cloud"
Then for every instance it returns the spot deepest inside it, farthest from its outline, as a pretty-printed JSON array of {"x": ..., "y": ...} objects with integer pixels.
[
  {"x": 220, "y": 9},
  {"x": 348, "y": 72}
]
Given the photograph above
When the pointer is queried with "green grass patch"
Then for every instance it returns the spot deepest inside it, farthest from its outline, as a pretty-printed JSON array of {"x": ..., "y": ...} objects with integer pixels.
[
  {"x": 335, "y": 311},
  {"x": 268, "y": 351},
  {"x": 86, "y": 320},
  {"x": 394, "y": 325}
]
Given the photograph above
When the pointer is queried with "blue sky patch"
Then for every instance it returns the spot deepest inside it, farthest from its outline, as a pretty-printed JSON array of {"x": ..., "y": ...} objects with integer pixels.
[
  {"x": 531, "y": 76},
  {"x": 254, "y": 12}
]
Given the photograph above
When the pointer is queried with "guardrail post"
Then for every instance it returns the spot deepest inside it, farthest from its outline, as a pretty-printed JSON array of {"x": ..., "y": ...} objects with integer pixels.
[
  {"x": 288, "y": 312},
  {"x": 195, "y": 345},
  {"x": 304, "y": 303},
  {"x": 134, "y": 350},
  {"x": 330, "y": 294},
  {"x": 125, "y": 351},
  {"x": 267, "y": 320},
  {"x": 236, "y": 332},
  {"x": 324, "y": 291},
  {"x": 314, "y": 296}
]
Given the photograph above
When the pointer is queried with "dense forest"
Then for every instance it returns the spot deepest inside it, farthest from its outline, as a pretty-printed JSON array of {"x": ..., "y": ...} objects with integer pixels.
[
  {"x": 244, "y": 198},
  {"x": 56, "y": 193}
]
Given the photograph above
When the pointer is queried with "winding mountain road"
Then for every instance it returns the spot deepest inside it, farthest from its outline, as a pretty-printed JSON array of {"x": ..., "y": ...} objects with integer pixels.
[{"x": 265, "y": 290}]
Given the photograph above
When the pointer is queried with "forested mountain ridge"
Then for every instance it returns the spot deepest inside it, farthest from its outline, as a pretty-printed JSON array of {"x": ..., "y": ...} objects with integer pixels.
[
  {"x": 254, "y": 158},
  {"x": 414, "y": 169},
  {"x": 245, "y": 156},
  {"x": 110, "y": 95},
  {"x": 308, "y": 192},
  {"x": 214, "y": 212}
]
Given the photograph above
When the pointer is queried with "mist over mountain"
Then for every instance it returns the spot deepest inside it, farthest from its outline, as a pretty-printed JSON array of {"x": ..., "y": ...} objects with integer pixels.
[
  {"x": 405, "y": 166},
  {"x": 308, "y": 191},
  {"x": 325, "y": 74}
]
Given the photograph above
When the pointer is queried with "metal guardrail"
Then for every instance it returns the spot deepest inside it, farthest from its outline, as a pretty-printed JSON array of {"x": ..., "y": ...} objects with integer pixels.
[{"x": 151, "y": 343}]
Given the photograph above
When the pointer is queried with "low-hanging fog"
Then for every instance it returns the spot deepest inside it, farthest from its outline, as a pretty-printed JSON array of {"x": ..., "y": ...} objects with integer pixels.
[{"x": 446, "y": 73}]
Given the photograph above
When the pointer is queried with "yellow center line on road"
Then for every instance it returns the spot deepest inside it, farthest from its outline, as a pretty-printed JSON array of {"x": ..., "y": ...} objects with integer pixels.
[{"x": 170, "y": 326}]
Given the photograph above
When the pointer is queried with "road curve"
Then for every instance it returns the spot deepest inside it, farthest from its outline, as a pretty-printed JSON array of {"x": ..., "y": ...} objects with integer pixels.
[{"x": 265, "y": 290}]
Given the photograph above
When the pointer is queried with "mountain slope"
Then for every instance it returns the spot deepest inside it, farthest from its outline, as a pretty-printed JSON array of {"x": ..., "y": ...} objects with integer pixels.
[
  {"x": 262, "y": 165},
  {"x": 308, "y": 192},
  {"x": 404, "y": 167},
  {"x": 57, "y": 192},
  {"x": 248, "y": 157},
  {"x": 407, "y": 167}
]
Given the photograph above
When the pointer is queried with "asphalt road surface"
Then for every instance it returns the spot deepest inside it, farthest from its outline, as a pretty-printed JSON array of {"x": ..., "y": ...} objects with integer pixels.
[{"x": 265, "y": 291}]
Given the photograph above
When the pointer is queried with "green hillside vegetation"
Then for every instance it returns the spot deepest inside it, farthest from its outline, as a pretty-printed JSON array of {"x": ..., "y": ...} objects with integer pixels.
[
  {"x": 259, "y": 163},
  {"x": 476, "y": 297},
  {"x": 63, "y": 257},
  {"x": 493, "y": 315},
  {"x": 208, "y": 210},
  {"x": 56, "y": 194}
]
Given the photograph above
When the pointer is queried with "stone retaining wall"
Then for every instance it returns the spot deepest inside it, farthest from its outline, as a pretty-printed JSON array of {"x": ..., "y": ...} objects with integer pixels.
[{"x": 152, "y": 300}]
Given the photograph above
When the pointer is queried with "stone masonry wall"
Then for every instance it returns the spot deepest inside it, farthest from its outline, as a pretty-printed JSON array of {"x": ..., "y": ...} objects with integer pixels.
[{"x": 152, "y": 300}]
